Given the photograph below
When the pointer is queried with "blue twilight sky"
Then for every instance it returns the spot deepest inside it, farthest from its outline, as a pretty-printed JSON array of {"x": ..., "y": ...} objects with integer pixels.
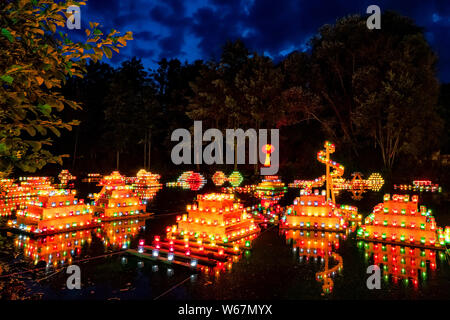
[{"x": 196, "y": 29}]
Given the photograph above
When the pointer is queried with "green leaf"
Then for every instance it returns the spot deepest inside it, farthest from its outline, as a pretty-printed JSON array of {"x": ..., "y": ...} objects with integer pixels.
[
  {"x": 108, "y": 52},
  {"x": 7, "y": 34},
  {"x": 45, "y": 109},
  {"x": 7, "y": 79}
]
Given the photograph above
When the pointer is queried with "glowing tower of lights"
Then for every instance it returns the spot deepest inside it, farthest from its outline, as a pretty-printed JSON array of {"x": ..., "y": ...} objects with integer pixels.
[
  {"x": 399, "y": 220},
  {"x": 216, "y": 217},
  {"x": 319, "y": 211},
  {"x": 146, "y": 184},
  {"x": 117, "y": 200},
  {"x": 54, "y": 211},
  {"x": 313, "y": 211}
]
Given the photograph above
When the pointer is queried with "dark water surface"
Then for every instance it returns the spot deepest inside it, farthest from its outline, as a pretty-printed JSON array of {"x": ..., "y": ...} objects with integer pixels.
[{"x": 273, "y": 269}]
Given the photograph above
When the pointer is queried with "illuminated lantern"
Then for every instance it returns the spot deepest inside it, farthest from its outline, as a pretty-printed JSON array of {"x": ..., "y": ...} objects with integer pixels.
[
  {"x": 189, "y": 180},
  {"x": 195, "y": 181},
  {"x": 146, "y": 184},
  {"x": 268, "y": 149},
  {"x": 219, "y": 178},
  {"x": 235, "y": 178}
]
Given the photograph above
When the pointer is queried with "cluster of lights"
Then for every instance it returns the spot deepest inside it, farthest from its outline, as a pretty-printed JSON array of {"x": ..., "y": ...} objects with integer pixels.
[
  {"x": 53, "y": 211},
  {"x": 15, "y": 196},
  {"x": 401, "y": 262},
  {"x": 64, "y": 178},
  {"x": 357, "y": 185},
  {"x": 55, "y": 250},
  {"x": 419, "y": 186},
  {"x": 248, "y": 189},
  {"x": 351, "y": 216},
  {"x": 219, "y": 178},
  {"x": 313, "y": 211},
  {"x": 146, "y": 184},
  {"x": 93, "y": 178},
  {"x": 270, "y": 190},
  {"x": 198, "y": 255},
  {"x": 114, "y": 179},
  {"x": 235, "y": 178},
  {"x": 189, "y": 180},
  {"x": 217, "y": 217},
  {"x": 398, "y": 220},
  {"x": 117, "y": 200},
  {"x": 211, "y": 235}
]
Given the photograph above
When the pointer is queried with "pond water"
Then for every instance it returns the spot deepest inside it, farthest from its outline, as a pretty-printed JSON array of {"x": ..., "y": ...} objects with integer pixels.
[{"x": 277, "y": 267}]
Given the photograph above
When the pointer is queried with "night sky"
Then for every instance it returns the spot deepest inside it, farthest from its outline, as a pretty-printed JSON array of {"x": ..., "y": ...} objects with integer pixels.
[{"x": 197, "y": 29}]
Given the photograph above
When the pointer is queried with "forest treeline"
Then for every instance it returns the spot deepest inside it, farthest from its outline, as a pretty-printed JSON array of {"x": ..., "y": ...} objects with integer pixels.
[{"x": 374, "y": 93}]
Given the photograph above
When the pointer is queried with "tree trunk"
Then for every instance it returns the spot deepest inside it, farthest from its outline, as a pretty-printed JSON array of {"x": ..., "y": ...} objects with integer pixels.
[{"x": 117, "y": 159}]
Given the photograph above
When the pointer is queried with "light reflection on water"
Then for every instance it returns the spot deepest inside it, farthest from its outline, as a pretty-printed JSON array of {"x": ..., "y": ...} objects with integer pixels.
[{"x": 271, "y": 270}]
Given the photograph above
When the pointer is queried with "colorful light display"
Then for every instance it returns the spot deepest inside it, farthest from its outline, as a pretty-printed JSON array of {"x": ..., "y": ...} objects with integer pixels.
[
  {"x": 211, "y": 234},
  {"x": 219, "y": 178},
  {"x": 146, "y": 184},
  {"x": 398, "y": 220},
  {"x": 15, "y": 196},
  {"x": 235, "y": 178},
  {"x": 189, "y": 180},
  {"x": 357, "y": 185},
  {"x": 320, "y": 212},
  {"x": 64, "y": 179},
  {"x": 323, "y": 156},
  {"x": 419, "y": 186},
  {"x": 117, "y": 200},
  {"x": 318, "y": 246},
  {"x": 217, "y": 217},
  {"x": 93, "y": 178},
  {"x": 248, "y": 189},
  {"x": 313, "y": 211},
  {"x": 54, "y": 211},
  {"x": 270, "y": 190}
]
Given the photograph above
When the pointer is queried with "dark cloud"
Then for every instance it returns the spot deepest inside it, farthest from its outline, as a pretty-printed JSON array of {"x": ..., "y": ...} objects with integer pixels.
[{"x": 167, "y": 28}]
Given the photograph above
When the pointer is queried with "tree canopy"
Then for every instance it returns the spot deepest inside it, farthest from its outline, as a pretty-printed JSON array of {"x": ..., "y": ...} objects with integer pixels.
[{"x": 39, "y": 59}]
